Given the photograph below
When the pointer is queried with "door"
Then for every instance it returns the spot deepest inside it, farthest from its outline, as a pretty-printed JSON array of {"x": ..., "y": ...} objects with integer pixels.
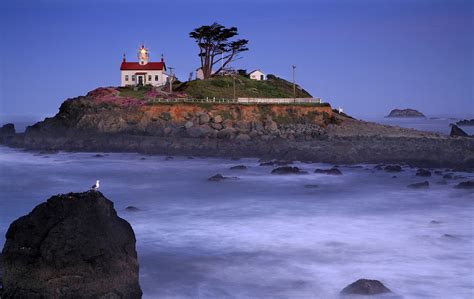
[{"x": 140, "y": 80}]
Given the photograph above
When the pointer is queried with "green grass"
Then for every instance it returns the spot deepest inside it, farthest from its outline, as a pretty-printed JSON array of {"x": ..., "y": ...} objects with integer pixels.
[
  {"x": 222, "y": 88},
  {"x": 137, "y": 94}
]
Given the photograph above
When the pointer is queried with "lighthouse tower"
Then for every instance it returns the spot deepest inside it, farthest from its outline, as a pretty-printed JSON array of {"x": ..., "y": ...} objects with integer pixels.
[{"x": 143, "y": 55}]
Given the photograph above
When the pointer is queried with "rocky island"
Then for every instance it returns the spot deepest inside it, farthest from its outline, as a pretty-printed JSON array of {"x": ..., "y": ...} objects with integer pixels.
[
  {"x": 73, "y": 245},
  {"x": 405, "y": 113},
  {"x": 148, "y": 120}
]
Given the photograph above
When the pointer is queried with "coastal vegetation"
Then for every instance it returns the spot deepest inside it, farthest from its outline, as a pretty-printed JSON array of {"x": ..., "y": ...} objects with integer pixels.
[{"x": 223, "y": 87}]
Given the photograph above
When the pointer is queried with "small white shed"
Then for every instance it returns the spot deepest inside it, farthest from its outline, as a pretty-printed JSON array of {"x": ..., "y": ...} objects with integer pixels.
[{"x": 257, "y": 75}]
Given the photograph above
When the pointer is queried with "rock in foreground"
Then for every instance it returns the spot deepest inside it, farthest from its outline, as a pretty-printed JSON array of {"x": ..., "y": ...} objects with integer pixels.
[
  {"x": 457, "y": 132},
  {"x": 72, "y": 245},
  {"x": 405, "y": 113},
  {"x": 288, "y": 170},
  {"x": 365, "y": 287},
  {"x": 465, "y": 185}
]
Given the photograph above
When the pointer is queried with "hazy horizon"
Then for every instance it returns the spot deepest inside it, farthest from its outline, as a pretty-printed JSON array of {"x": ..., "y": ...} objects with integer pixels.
[{"x": 367, "y": 56}]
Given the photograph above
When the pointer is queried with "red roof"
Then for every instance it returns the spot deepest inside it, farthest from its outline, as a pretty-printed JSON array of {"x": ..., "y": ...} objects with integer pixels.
[{"x": 135, "y": 66}]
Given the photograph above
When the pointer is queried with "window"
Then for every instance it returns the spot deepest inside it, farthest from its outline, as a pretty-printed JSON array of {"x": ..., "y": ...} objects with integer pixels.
[
  {"x": 149, "y": 77},
  {"x": 156, "y": 77},
  {"x": 133, "y": 77},
  {"x": 126, "y": 77}
]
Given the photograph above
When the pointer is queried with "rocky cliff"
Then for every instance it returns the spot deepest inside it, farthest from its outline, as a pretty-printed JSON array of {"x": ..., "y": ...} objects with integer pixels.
[
  {"x": 72, "y": 246},
  {"x": 105, "y": 110},
  {"x": 107, "y": 119}
]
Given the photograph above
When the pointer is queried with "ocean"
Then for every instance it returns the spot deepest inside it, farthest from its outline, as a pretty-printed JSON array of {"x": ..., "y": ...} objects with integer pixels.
[{"x": 264, "y": 235}]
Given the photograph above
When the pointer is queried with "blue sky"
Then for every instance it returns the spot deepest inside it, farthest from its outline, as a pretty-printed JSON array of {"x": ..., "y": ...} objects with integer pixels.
[{"x": 367, "y": 56}]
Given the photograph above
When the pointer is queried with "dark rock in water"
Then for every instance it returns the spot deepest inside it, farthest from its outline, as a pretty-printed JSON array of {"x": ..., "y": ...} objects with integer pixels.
[
  {"x": 457, "y": 132},
  {"x": 73, "y": 245},
  {"x": 219, "y": 177},
  {"x": 435, "y": 222},
  {"x": 190, "y": 157},
  {"x": 311, "y": 186},
  {"x": 405, "y": 113},
  {"x": 448, "y": 176},
  {"x": 288, "y": 170},
  {"x": 132, "y": 209},
  {"x": 422, "y": 185},
  {"x": 365, "y": 287},
  {"x": 465, "y": 185},
  {"x": 378, "y": 167},
  {"x": 393, "y": 168},
  {"x": 7, "y": 130},
  {"x": 331, "y": 171},
  {"x": 142, "y": 158},
  {"x": 216, "y": 178},
  {"x": 423, "y": 172},
  {"x": 169, "y": 158},
  {"x": 441, "y": 182},
  {"x": 465, "y": 122},
  {"x": 99, "y": 156},
  {"x": 267, "y": 163},
  {"x": 238, "y": 167},
  {"x": 394, "y": 177},
  {"x": 438, "y": 172}
]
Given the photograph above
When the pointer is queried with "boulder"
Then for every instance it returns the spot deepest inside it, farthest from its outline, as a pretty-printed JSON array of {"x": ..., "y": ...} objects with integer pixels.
[
  {"x": 423, "y": 172},
  {"x": 188, "y": 124},
  {"x": 288, "y": 170},
  {"x": 422, "y": 185},
  {"x": 331, "y": 171},
  {"x": 226, "y": 133},
  {"x": 465, "y": 122},
  {"x": 365, "y": 287},
  {"x": 457, "y": 132},
  {"x": 243, "y": 137},
  {"x": 73, "y": 244},
  {"x": 465, "y": 185},
  {"x": 393, "y": 168},
  {"x": 203, "y": 118},
  {"x": 217, "y": 119},
  {"x": 271, "y": 125},
  {"x": 238, "y": 167},
  {"x": 199, "y": 132}
]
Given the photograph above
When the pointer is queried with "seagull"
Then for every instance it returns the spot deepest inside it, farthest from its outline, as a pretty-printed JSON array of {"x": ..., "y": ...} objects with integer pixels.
[{"x": 95, "y": 187}]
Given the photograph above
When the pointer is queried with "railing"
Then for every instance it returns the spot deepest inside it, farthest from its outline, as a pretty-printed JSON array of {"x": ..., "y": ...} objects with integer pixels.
[
  {"x": 279, "y": 100},
  {"x": 240, "y": 100}
]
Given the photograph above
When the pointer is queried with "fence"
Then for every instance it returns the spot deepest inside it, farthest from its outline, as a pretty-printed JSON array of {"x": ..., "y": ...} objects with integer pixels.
[
  {"x": 279, "y": 100},
  {"x": 241, "y": 101}
]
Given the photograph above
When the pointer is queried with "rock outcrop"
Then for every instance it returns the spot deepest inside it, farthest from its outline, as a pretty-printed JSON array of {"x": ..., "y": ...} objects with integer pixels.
[
  {"x": 465, "y": 122},
  {"x": 465, "y": 185},
  {"x": 457, "y": 132},
  {"x": 73, "y": 245},
  {"x": 405, "y": 113},
  {"x": 331, "y": 171},
  {"x": 365, "y": 287},
  {"x": 288, "y": 170}
]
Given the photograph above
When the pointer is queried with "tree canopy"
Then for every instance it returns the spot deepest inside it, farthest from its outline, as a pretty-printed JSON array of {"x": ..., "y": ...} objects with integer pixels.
[{"x": 215, "y": 46}]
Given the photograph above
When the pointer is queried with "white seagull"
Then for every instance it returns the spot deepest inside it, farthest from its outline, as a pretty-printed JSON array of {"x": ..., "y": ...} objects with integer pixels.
[{"x": 95, "y": 187}]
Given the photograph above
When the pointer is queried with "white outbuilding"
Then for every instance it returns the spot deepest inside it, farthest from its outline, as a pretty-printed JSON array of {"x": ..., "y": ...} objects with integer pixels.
[
  {"x": 257, "y": 75},
  {"x": 143, "y": 72}
]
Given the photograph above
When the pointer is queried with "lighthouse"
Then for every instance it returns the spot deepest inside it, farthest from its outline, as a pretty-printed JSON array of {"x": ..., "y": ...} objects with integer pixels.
[{"x": 143, "y": 72}]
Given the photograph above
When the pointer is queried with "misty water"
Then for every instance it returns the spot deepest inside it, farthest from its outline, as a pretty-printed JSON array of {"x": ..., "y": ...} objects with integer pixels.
[{"x": 264, "y": 235}]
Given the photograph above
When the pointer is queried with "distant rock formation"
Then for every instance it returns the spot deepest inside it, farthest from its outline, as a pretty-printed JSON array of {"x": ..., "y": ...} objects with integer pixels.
[
  {"x": 457, "y": 131},
  {"x": 365, "y": 287},
  {"x": 465, "y": 122},
  {"x": 73, "y": 245},
  {"x": 405, "y": 113}
]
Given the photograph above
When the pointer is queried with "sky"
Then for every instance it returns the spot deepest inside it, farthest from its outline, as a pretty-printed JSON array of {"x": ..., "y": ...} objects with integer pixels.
[{"x": 367, "y": 56}]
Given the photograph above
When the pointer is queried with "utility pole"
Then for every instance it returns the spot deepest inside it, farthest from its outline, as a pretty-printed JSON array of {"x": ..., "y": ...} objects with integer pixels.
[
  {"x": 294, "y": 83},
  {"x": 171, "y": 79}
]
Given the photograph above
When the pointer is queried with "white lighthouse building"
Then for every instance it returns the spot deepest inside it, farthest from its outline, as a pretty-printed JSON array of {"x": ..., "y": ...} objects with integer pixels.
[{"x": 143, "y": 72}]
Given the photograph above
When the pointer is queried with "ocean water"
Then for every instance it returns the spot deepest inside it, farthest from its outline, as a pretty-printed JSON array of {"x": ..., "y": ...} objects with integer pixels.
[{"x": 264, "y": 235}]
